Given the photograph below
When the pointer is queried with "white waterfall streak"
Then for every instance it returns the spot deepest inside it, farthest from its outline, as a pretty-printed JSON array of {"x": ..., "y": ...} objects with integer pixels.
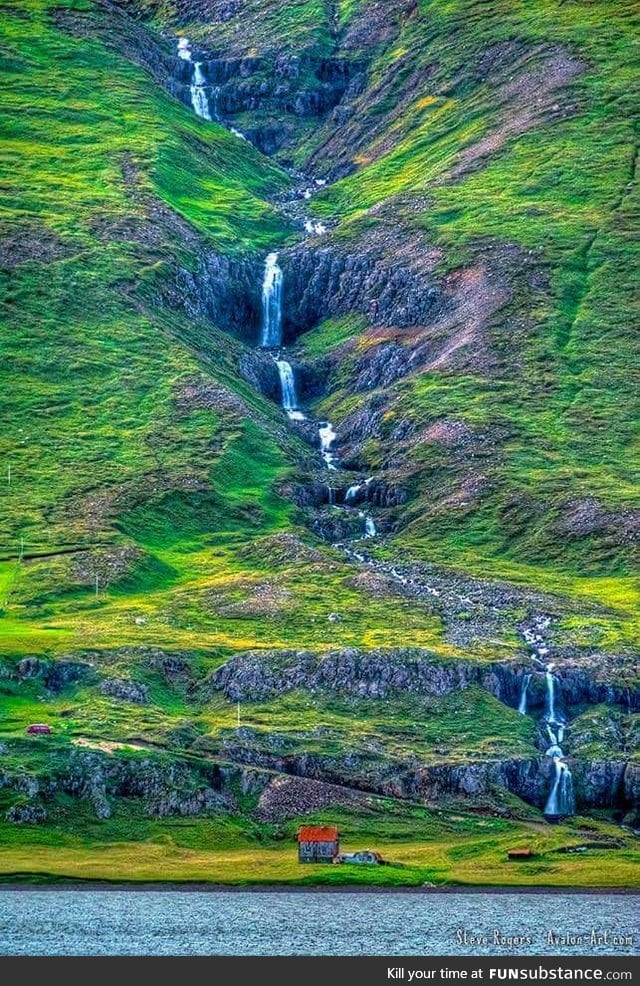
[
  {"x": 551, "y": 696},
  {"x": 370, "y": 529},
  {"x": 522, "y": 707},
  {"x": 272, "y": 302},
  {"x": 288, "y": 389},
  {"x": 199, "y": 98},
  {"x": 184, "y": 49},
  {"x": 215, "y": 99},
  {"x": 327, "y": 438},
  {"x": 561, "y": 801},
  {"x": 314, "y": 228}
]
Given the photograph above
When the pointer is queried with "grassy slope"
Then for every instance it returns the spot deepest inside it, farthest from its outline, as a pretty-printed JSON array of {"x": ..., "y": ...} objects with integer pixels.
[
  {"x": 440, "y": 845},
  {"x": 565, "y": 191},
  {"x": 99, "y": 455},
  {"x": 98, "y": 452},
  {"x": 209, "y": 852}
]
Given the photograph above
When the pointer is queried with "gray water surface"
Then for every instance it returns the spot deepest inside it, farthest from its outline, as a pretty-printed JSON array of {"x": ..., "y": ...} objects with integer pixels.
[{"x": 125, "y": 922}]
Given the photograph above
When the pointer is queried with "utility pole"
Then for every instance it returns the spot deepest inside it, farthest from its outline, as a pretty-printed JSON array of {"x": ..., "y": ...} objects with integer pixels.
[
  {"x": 21, "y": 555},
  {"x": 9, "y": 475},
  {"x": 97, "y": 584}
]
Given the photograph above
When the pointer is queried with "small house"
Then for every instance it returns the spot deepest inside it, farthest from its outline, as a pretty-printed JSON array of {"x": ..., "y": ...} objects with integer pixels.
[
  {"x": 318, "y": 843},
  {"x": 39, "y": 729}
]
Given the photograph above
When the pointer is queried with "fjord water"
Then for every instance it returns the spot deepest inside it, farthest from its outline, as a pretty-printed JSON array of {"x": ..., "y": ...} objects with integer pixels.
[{"x": 125, "y": 922}]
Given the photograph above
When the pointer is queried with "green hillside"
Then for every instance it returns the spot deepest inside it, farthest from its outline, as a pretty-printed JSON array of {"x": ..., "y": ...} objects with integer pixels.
[{"x": 464, "y": 316}]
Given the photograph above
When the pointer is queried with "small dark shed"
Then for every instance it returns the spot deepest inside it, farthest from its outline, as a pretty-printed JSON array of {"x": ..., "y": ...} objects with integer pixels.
[
  {"x": 318, "y": 843},
  {"x": 39, "y": 729}
]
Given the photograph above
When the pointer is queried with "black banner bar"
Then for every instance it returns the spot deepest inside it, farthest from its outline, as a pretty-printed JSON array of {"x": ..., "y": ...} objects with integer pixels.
[{"x": 331, "y": 971}]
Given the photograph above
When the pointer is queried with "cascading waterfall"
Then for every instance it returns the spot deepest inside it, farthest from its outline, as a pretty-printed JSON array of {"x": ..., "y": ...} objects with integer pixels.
[
  {"x": 327, "y": 438},
  {"x": 314, "y": 227},
  {"x": 561, "y": 800},
  {"x": 184, "y": 49},
  {"x": 551, "y": 695},
  {"x": 272, "y": 302},
  {"x": 288, "y": 389},
  {"x": 353, "y": 491},
  {"x": 271, "y": 338},
  {"x": 215, "y": 99},
  {"x": 199, "y": 98},
  {"x": 522, "y": 707}
]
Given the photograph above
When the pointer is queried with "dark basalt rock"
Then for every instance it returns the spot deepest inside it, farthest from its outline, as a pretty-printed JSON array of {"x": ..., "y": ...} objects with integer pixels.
[
  {"x": 270, "y": 137},
  {"x": 597, "y": 785},
  {"x": 379, "y": 493},
  {"x": 125, "y": 690},
  {"x": 308, "y": 494},
  {"x": 363, "y": 423},
  {"x": 336, "y": 526},
  {"x": 165, "y": 787},
  {"x": 383, "y": 366},
  {"x": 26, "y": 814},
  {"x": 255, "y": 676},
  {"x": 218, "y": 71},
  {"x": 321, "y": 282},
  {"x": 225, "y": 291},
  {"x": 600, "y": 783},
  {"x": 173, "y": 668},
  {"x": 56, "y": 675},
  {"x": 576, "y": 685},
  {"x": 259, "y": 369},
  {"x": 528, "y": 779}
]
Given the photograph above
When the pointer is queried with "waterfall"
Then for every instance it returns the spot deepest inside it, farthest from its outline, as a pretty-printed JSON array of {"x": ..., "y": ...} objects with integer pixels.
[
  {"x": 199, "y": 98},
  {"x": 314, "y": 228},
  {"x": 522, "y": 707},
  {"x": 370, "y": 529},
  {"x": 352, "y": 493},
  {"x": 561, "y": 801},
  {"x": 272, "y": 302},
  {"x": 215, "y": 97},
  {"x": 184, "y": 49},
  {"x": 551, "y": 695},
  {"x": 327, "y": 438},
  {"x": 288, "y": 388}
]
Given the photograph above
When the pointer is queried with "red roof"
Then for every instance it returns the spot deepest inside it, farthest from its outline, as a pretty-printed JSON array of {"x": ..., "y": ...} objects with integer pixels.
[{"x": 318, "y": 833}]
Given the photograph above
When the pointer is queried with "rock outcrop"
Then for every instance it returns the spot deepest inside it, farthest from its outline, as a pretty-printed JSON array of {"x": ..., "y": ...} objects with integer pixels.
[
  {"x": 258, "y": 675},
  {"x": 125, "y": 690},
  {"x": 165, "y": 787}
]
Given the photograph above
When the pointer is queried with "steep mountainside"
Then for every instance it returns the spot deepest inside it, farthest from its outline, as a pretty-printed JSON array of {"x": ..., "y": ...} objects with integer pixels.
[{"x": 319, "y": 406}]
